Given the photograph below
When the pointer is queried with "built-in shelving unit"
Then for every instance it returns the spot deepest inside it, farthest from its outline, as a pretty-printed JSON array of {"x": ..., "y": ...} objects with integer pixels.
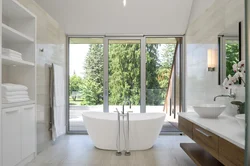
[
  {"x": 12, "y": 35},
  {"x": 18, "y": 104},
  {"x": 18, "y": 33},
  {"x": 16, "y": 62},
  {"x": 13, "y": 9}
]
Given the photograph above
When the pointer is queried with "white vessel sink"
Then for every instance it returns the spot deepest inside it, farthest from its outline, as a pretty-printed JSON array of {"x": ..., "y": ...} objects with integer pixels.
[
  {"x": 241, "y": 120},
  {"x": 209, "y": 110}
]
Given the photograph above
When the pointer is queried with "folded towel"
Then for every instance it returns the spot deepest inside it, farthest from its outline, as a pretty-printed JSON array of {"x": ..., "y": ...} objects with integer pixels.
[
  {"x": 12, "y": 56},
  {"x": 13, "y": 87},
  {"x": 15, "y": 97},
  {"x": 5, "y": 101},
  {"x": 14, "y": 93},
  {"x": 10, "y": 51}
]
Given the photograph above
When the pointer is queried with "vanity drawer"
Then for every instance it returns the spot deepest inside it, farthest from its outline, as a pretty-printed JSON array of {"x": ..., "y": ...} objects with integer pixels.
[
  {"x": 230, "y": 154},
  {"x": 206, "y": 139},
  {"x": 186, "y": 126}
]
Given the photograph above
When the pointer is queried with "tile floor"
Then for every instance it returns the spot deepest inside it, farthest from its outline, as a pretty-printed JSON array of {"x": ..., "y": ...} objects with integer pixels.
[{"x": 78, "y": 150}]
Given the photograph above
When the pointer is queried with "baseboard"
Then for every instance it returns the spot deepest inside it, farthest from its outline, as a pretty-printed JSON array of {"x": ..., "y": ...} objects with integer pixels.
[{"x": 43, "y": 146}]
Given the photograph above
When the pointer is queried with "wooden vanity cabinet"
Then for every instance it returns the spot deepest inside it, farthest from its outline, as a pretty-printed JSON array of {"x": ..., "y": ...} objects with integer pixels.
[
  {"x": 229, "y": 154},
  {"x": 216, "y": 149},
  {"x": 186, "y": 126},
  {"x": 206, "y": 139}
]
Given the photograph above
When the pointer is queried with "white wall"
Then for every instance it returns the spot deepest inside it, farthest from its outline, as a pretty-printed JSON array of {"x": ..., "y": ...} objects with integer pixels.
[
  {"x": 52, "y": 39},
  {"x": 202, "y": 34}
]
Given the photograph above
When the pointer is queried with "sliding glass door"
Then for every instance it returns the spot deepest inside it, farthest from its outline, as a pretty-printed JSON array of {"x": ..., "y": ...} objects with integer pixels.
[
  {"x": 85, "y": 87},
  {"x": 107, "y": 72},
  {"x": 160, "y": 57},
  {"x": 123, "y": 74}
]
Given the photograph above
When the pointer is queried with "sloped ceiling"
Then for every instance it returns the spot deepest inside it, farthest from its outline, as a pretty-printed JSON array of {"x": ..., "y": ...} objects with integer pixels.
[
  {"x": 199, "y": 7},
  {"x": 99, "y": 17}
]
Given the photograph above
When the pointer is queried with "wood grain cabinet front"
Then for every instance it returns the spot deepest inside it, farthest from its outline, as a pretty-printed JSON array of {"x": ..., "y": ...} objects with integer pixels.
[
  {"x": 206, "y": 139},
  {"x": 186, "y": 126},
  {"x": 229, "y": 154}
]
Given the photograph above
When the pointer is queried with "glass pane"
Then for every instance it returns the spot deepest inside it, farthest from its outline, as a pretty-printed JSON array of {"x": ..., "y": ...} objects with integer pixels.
[
  {"x": 160, "y": 83},
  {"x": 85, "y": 80},
  {"x": 232, "y": 55},
  {"x": 159, "y": 55},
  {"x": 124, "y": 74}
]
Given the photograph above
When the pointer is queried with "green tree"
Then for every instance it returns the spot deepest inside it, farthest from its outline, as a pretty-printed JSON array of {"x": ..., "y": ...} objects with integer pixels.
[
  {"x": 232, "y": 57},
  {"x": 75, "y": 84},
  {"x": 153, "y": 96},
  {"x": 92, "y": 89},
  {"x": 124, "y": 73},
  {"x": 164, "y": 70},
  {"x": 92, "y": 93}
]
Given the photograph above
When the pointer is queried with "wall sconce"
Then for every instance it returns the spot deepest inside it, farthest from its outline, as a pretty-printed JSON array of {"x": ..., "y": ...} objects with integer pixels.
[{"x": 211, "y": 59}]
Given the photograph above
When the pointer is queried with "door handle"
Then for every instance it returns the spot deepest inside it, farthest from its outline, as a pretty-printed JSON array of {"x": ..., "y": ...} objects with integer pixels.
[{"x": 202, "y": 132}]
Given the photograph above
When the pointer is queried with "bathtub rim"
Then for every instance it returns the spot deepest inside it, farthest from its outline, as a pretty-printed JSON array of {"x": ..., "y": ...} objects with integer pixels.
[{"x": 134, "y": 120}]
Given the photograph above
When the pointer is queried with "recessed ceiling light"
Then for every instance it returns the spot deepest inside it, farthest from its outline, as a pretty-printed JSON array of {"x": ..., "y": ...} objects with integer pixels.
[{"x": 124, "y": 3}]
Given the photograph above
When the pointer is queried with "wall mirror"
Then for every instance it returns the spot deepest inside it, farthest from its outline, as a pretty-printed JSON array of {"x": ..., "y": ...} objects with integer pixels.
[{"x": 229, "y": 50}]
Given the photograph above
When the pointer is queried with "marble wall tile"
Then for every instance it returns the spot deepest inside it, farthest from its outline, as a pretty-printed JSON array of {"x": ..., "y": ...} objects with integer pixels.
[
  {"x": 202, "y": 34},
  {"x": 52, "y": 39}
]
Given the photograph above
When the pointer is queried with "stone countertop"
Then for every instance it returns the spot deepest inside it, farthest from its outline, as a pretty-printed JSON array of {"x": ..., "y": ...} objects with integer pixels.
[{"x": 224, "y": 126}]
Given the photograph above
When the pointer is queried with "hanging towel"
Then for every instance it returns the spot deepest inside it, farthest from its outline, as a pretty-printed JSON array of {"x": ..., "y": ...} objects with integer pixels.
[{"x": 57, "y": 101}]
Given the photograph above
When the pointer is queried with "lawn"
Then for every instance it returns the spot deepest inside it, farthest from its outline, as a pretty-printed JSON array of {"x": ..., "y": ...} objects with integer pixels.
[{"x": 76, "y": 102}]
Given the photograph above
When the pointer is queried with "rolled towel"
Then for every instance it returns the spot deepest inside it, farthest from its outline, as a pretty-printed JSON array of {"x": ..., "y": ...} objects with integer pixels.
[
  {"x": 15, "y": 97},
  {"x": 14, "y": 93},
  {"x": 5, "y": 101},
  {"x": 13, "y": 87}
]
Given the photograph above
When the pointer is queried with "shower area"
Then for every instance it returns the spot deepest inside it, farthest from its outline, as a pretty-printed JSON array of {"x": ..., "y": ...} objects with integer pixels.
[{"x": 105, "y": 71}]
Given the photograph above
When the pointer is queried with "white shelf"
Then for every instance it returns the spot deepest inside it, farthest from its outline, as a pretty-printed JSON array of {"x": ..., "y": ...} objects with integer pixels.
[
  {"x": 12, "y": 61},
  {"x": 13, "y": 36},
  {"x": 18, "y": 104},
  {"x": 14, "y": 10}
]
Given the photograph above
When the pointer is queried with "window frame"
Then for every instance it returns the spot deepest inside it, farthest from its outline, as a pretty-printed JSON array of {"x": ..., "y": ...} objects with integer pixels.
[{"x": 222, "y": 55}]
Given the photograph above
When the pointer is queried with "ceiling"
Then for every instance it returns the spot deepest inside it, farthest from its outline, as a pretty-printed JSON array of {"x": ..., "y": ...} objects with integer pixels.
[
  {"x": 233, "y": 30},
  {"x": 148, "y": 17}
]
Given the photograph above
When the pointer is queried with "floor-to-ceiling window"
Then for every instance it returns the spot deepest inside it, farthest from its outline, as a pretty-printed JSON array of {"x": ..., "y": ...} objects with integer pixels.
[
  {"x": 85, "y": 79},
  {"x": 159, "y": 62},
  {"x": 163, "y": 79},
  {"x": 105, "y": 73},
  {"x": 124, "y": 74}
]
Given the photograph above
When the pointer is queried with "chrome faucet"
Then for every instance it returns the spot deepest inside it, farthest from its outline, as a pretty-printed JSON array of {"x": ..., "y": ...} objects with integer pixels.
[
  {"x": 124, "y": 103},
  {"x": 231, "y": 95},
  {"x": 126, "y": 136}
]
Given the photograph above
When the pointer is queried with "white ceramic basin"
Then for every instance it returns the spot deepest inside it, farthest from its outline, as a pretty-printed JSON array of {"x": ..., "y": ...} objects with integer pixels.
[
  {"x": 209, "y": 110},
  {"x": 241, "y": 120}
]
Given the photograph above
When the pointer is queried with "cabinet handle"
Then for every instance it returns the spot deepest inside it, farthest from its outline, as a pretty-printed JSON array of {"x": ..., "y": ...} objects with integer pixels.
[
  {"x": 202, "y": 132},
  {"x": 28, "y": 108},
  {"x": 11, "y": 111}
]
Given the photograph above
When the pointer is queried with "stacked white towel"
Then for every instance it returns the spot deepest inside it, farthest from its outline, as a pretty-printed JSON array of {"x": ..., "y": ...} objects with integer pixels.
[
  {"x": 11, "y": 53},
  {"x": 12, "y": 93}
]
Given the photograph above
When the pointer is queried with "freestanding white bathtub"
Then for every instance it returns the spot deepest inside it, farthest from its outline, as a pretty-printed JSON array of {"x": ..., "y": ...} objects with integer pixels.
[{"x": 103, "y": 128}]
